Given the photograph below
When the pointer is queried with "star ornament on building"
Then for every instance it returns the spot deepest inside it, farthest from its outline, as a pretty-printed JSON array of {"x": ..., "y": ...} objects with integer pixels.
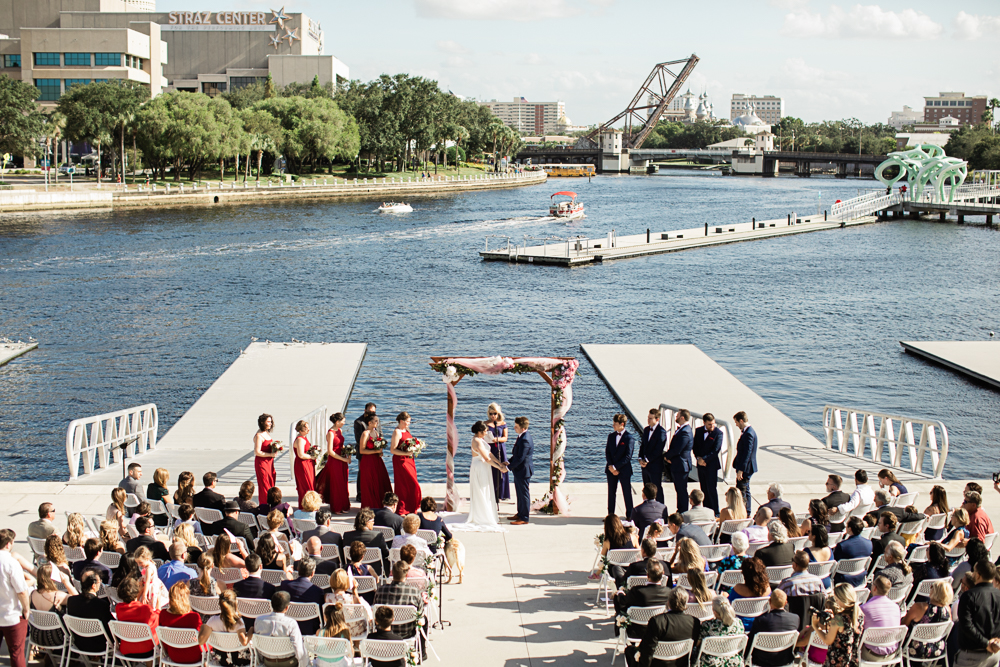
[
  {"x": 276, "y": 41},
  {"x": 291, "y": 36},
  {"x": 279, "y": 17}
]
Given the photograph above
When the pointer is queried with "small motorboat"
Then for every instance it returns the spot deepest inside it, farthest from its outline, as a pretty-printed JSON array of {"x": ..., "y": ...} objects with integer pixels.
[
  {"x": 564, "y": 208},
  {"x": 393, "y": 207}
]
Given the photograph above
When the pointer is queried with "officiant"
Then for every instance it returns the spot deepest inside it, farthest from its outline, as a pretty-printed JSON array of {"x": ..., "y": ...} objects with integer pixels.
[{"x": 496, "y": 437}]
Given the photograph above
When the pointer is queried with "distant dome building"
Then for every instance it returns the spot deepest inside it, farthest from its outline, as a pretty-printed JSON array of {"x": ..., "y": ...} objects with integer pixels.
[{"x": 751, "y": 123}]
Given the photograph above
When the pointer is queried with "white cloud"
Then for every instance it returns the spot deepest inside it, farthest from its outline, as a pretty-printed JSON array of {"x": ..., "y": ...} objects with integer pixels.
[
  {"x": 495, "y": 10},
  {"x": 451, "y": 46},
  {"x": 971, "y": 26},
  {"x": 862, "y": 21},
  {"x": 532, "y": 59}
]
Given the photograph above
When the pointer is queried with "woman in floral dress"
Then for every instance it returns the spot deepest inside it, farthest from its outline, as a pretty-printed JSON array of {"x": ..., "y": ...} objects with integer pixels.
[
  {"x": 936, "y": 609},
  {"x": 842, "y": 632},
  {"x": 724, "y": 624}
]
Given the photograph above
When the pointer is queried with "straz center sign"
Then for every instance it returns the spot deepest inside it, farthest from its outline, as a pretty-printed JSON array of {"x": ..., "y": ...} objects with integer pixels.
[{"x": 220, "y": 18}]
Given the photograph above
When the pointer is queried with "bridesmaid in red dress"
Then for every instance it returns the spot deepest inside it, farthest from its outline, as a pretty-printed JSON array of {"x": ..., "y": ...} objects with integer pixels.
[
  {"x": 373, "y": 478},
  {"x": 305, "y": 465},
  {"x": 404, "y": 468},
  {"x": 263, "y": 461},
  {"x": 335, "y": 470}
]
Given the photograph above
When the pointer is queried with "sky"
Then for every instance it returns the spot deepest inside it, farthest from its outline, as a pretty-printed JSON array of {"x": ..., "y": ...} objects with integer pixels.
[{"x": 827, "y": 60}]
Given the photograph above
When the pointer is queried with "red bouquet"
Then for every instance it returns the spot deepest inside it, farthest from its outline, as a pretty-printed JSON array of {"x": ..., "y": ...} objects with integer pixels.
[{"x": 375, "y": 444}]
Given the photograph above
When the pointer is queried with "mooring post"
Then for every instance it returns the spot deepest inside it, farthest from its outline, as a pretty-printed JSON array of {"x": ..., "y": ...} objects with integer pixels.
[
  {"x": 647, "y": 234},
  {"x": 706, "y": 229},
  {"x": 824, "y": 215},
  {"x": 789, "y": 220},
  {"x": 753, "y": 224}
]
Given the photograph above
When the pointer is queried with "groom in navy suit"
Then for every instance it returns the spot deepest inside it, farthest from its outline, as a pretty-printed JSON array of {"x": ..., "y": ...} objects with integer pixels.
[
  {"x": 654, "y": 440},
  {"x": 678, "y": 457},
  {"x": 618, "y": 455},
  {"x": 520, "y": 464}
]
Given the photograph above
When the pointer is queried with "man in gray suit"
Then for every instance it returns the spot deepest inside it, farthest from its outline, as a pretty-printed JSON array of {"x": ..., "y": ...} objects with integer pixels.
[{"x": 698, "y": 512}]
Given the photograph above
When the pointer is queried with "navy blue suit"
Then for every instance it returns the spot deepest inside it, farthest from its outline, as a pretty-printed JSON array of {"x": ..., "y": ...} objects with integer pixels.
[
  {"x": 707, "y": 449},
  {"x": 854, "y": 546},
  {"x": 304, "y": 590},
  {"x": 520, "y": 464},
  {"x": 620, "y": 456},
  {"x": 651, "y": 448},
  {"x": 679, "y": 456},
  {"x": 746, "y": 462}
]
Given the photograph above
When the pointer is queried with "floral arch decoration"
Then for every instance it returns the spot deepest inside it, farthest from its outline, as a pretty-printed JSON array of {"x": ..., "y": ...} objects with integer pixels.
[{"x": 558, "y": 373}]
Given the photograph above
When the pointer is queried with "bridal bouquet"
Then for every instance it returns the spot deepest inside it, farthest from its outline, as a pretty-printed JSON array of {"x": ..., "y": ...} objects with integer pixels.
[
  {"x": 375, "y": 444},
  {"x": 273, "y": 448},
  {"x": 413, "y": 446},
  {"x": 348, "y": 450},
  {"x": 313, "y": 451}
]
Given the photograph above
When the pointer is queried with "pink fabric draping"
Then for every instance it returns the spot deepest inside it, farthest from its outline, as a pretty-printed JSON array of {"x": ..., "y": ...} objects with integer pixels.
[{"x": 451, "y": 495}]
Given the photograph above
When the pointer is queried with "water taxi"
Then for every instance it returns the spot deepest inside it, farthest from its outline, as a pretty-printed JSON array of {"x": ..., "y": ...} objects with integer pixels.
[
  {"x": 569, "y": 170},
  {"x": 563, "y": 208},
  {"x": 393, "y": 207}
]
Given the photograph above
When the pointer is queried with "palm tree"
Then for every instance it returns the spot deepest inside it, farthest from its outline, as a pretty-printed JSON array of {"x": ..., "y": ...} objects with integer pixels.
[{"x": 993, "y": 105}]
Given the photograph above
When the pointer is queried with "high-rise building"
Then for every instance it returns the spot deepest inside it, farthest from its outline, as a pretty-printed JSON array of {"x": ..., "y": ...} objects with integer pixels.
[
  {"x": 768, "y": 108},
  {"x": 899, "y": 119},
  {"x": 966, "y": 110},
  {"x": 536, "y": 118}
]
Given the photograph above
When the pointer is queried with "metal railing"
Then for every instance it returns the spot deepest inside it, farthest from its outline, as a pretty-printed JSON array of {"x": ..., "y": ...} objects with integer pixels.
[
  {"x": 863, "y": 205},
  {"x": 728, "y": 451},
  {"x": 892, "y": 442},
  {"x": 317, "y": 420},
  {"x": 97, "y": 441}
]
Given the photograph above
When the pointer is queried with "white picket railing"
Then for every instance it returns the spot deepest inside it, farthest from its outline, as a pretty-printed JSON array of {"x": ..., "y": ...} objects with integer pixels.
[
  {"x": 728, "y": 452},
  {"x": 855, "y": 433},
  {"x": 317, "y": 420},
  {"x": 96, "y": 441},
  {"x": 863, "y": 205}
]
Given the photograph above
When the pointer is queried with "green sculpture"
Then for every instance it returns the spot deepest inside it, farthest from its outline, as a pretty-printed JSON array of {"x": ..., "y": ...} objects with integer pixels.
[{"x": 923, "y": 166}]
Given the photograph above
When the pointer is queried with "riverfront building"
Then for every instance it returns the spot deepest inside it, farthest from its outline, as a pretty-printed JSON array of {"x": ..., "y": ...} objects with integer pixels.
[
  {"x": 908, "y": 116},
  {"x": 769, "y": 108},
  {"x": 57, "y": 44},
  {"x": 535, "y": 118},
  {"x": 968, "y": 110}
]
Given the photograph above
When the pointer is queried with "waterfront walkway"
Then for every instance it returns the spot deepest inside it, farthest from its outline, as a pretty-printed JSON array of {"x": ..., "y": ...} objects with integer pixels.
[
  {"x": 979, "y": 359},
  {"x": 12, "y": 350}
]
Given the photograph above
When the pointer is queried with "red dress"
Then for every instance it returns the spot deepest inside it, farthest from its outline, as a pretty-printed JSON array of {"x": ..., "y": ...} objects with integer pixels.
[
  {"x": 266, "y": 477},
  {"x": 404, "y": 469},
  {"x": 305, "y": 473},
  {"x": 373, "y": 480},
  {"x": 335, "y": 474}
]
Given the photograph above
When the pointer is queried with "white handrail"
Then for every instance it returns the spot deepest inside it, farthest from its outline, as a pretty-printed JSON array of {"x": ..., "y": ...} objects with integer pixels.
[
  {"x": 97, "y": 440},
  {"x": 728, "y": 451},
  {"x": 317, "y": 420},
  {"x": 894, "y": 436}
]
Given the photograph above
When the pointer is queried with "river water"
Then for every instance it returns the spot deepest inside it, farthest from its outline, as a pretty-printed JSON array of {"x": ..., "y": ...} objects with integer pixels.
[{"x": 151, "y": 306}]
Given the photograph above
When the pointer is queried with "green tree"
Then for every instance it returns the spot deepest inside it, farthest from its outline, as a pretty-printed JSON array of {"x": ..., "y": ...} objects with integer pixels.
[
  {"x": 963, "y": 141},
  {"x": 312, "y": 129},
  {"x": 246, "y": 96},
  {"x": 20, "y": 120},
  {"x": 269, "y": 91},
  {"x": 101, "y": 113},
  {"x": 264, "y": 133},
  {"x": 232, "y": 140},
  {"x": 986, "y": 154},
  {"x": 153, "y": 127}
]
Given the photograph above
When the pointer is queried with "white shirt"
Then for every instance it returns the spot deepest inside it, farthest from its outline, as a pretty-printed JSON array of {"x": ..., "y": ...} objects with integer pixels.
[
  {"x": 863, "y": 495},
  {"x": 11, "y": 584}
]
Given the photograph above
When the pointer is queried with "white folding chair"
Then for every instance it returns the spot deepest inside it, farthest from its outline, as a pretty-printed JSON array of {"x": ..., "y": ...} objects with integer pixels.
[
  {"x": 879, "y": 564},
  {"x": 713, "y": 553},
  {"x": 356, "y": 617},
  {"x": 751, "y": 607},
  {"x": 913, "y": 528},
  {"x": 131, "y": 502},
  {"x": 822, "y": 570},
  {"x": 273, "y": 648},
  {"x": 988, "y": 540},
  {"x": 133, "y": 532},
  {"x": 919, "y": 554},
  {"x": 936, "y": 522},
  {"x": 700, "y": 610},
  {"x": 110, "y": 558},
  {"x": 729, "y": 578},
  {"x": 778, "y": 573},
  {"x": 88, "y": 627},
  {"x": 302, "y": 525},
  {"x": 207, "y": 515},
  {"x": 636, "y": 580},
  {"x": 860, "y": 511},
  {"x": 131, "y": 632},
  {"x": 387, "y": 532},
  {"x": 159, "y": 508},
  {"x": 384, "y": 650},
  {"x": 852, "y": 566},
  {"x": 621, "y": 557},
  {"x": 341, "y": 528},
  {"x": 428, "y": 536},
  {"x": 274, "y": 577},
  {"x": 636, "y": 616},
  {"x": 925, "y": 633},
  {"x": 732, "y": 526},
  {"x": 834, "y": 538},
  {"x": 253, "y": 607},
  {"x": 773, "y": 642},
  {"x": 394, "y": 556},
  {"x": 371, "y": 556},
  {"x": 666, "y": 554},
  {"x": 670, "y": 651},
  {"x": 814, "y": 642},
  {"x": 924, "y": 587},
  {"x": 753, "y": 546},
  {"x": 321, "y": 580},
  {"x": 205, "y": 604},
  {"x": 404, "y": 614},
  {"x": 329, "y": 552},
  {"x": 303, "y": 611},
  {"x": 37, "y": 548},
  {"x": 224, "y": 642},
  {"x": 328, "y": 649},
  {"x": 366, "y": 584},
  {"x": 722, "y": 647},
  {"x": 248, "y": 519},
  {"x": 898, "y": 594},
  {"x": 262, "y": 523},
  {"x": 904, "y": 499},
  {"x": 868, "y": 533},
  {"x": 862, "y": 594},
  {"x": 176, "y": 638},
  {"x": 227, "y": 575},
  {"x": 885, "y": 638},
  {"x": 74, "y": 554},
  {"x": 95, "y": 521},
  {"x": 798, "y": 543},
  {"x": 44, "y": 621}
]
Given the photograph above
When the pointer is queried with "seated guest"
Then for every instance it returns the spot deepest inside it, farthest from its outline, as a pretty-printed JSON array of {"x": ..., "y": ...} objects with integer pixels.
[
  {"x": 936, "y": 566},
  {"x": 818, "y": 516},
  {"x": 322, "y": 532},
  {"x": 774, "y": 500},
  {"x": 398, "y": 592},
  {"x": 151, "y": 589},
  {"x": 649, "y": 510},
  {"x": 676, "y": 525},
  {"x": 133, "y": 610},
  {"x": 335, "y": 626},
  {"x": 142, "y": 509},
  {"x": 755, "y": 584},
  {"x": 975, "y": 551},
  {"x": 186, "y": 515},
  {"x": 364, "y": 532},
  {"x": 176, "y": 569},
  {"x": 131, "y": 482},
  {"x": 757, "y": 531},
  {"x": 145, "y": 539},
  {"x": 92, "y": 550},
  {"x": 935, "y": 609},
  {"x": 734, "y": 561},
  {"x": 897, "y": 569},
  {"x": 77, "y": 531},
  {"x": 655, "y": 533},
  {"x": 819, "y": 551},
  {"x": 615, "y": 537},
  {"x": 205, "y": 585},
  {"x": 408, "y": 554},
  {"x": 277, "y": 624},
  {"x": 274, "y": 502},
  {"x": 880, "y": 612},
  {"x": 229, "y": 620},
  {"x": 651, "y": 594},
  {"x": 386, "y": 515},
  {"x": 45, "y": 597},
  {"x": 230, "y": 522},
  {"x": 429, "y": 520},
  {"x": 735, "y": 509},
  {"x": 45, "y": 525},
  {"x": 638, "y": 569},
  {"x": 180, "y": 615},
  {"x": 117, "y": 512},
  {"x": 903, "y": 515},
  {"x": 411, "y": 524},
  {"x": 887, "y": 480},
  {"x": 687, "y": 556},
  {"x": 314, "y": 549},
  {"x": 835, "y": 497},
  {"x": 697, "y": 586},
  {"x": 724, "y": 624},
  {"x": 110, "y": 538},
  {"x": 887, "y": 525},
  {"x": 88, "y": 605},
  {"x": 698, "y": 512},
  {"x": 185, "y": 533},
  {"x": 358, "y": 569},
  {"x": 383, "y": 621},
  {"x": 253, "y": 586},
  {"x": 780, "y": 550},
  {"x": 801, "y": 581},
  {"x": 245, "y": 498},
  {"x": 855, "y": 546},
  {"x": 208, "y": 497},
  {"x": 671, "y": 626},
  {"x": 775, "y": 619},
  {"x": 958, "y": 532},
  {"x": 304, "y": 590},
  {"x": 272, "y": 557},
  {"x": 185, "y": 489},
  {"x": 223, "y": 556},
  {"x": 862, "y": 495},
  {"x": 979, "y": 522},
  {"x": 787, "y": 518},
  {"x": 311, "y": 502}
]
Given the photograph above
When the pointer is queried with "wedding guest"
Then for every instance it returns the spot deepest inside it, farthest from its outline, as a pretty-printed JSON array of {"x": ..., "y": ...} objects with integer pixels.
[
  {"x": 887, "y": 480},
  {"x": 337, "y": 463},
  {"x": 322, "y": 534},
  {"x": 147, "y": 539},
  {"x": 687, "y": 556},
  {"x": 151, "y": 589},
  {"x": 76, "y": 531},
  {"x": 656, "y": 532},
  {"x": 418, "y": 569},
  {"x": 275, "y": 501},
  {"x": 780, "y": 550},
  {"x": 818, "y": 516},
  {"x": 176, "y": 569},
  {"x": 230, "y": 621},
  {"x": 774, "y": 500},
  {"x": 373, "y": 478},
  {"x": 496, "y": 427},
  {"x": 92, "y": 551},
  {"x": 179, "y": 615},
  {"x": 158, "y": 491},
  {"x": 698, "y": 511},
  {"x": 55, "y": 554},
  {"x": 939, "y": 505},
  {"x": 132, "y": 609},
  {"x": 209, "y": 497},
  {"x": 383, "y": 623},
  {"x": 404, "y": 467},
  {"x": 618, "y": 465},
  {"x": 698, "y": 591},
  {"x": 676, "y": 525},
  {"x": 253, "y": 586},
  {"x": 398, "y": 592},
  {"x": 277, "y": 624},
  {"x": 855, "y": 545},
  {"x": 787, "y": 517},
  {"x": 358, "y": 569},
  {"x": 310, "y": 502},
  {"x": 185, "y": 489},
  {"x": 615, "y": 537},
  {"x": 110, "y": 539},
  {"x": 429, "y": 520},
  {"x": 131, "y": 481},
  {"x": 364, "y": 532},
  {"x": 387, "y": 516},
  {"x": 725, "y": 623},
  {"x": 734, "y": 561},
  {"x": 271, "y": 556},
  {"x": 820, "y": 551},
  {"x": 206, "y": 585},
  {"x": 263, "y": 459},
  {"x": 186, "y": 516},
  {"x": 223, "y": 556},
  {"x": 755, "y": 584},
  {"x": 245, "y": 498},
  {"x": 47, "y": 597},
  {"x": 735, "y": 509},
  {"x": 302, "y": 589},
  {"x": 335, "y": 625},
  {"x": 411, "y": 524},
  {"x": 649, "y": 510},
  {"x": 775, "y": 619},
  {"x": 674, "y": 625},
  {"x": 84, "y": 605},
  {"x": 652, "y": 594},
  {"x": 116, "y": 512}
]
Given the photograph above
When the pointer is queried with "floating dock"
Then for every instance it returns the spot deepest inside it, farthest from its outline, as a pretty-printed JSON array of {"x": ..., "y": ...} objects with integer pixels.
[
  {"x": 979, "y": 359},
  {"x": 9, "y": 351},
  {"x": 286, "y": 380},
  {"x": 642, "y": 377},
  {"x": 579, "y": 251}
]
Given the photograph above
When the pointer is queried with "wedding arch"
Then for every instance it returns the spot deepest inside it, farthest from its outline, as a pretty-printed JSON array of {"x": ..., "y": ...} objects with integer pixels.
[{"x": 558, "y": 373}]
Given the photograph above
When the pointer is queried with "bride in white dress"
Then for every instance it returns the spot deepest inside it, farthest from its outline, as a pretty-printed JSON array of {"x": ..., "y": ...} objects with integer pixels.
[{"x": 483, "y": 515}]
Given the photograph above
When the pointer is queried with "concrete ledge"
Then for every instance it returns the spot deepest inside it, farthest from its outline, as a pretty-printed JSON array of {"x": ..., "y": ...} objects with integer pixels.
[{"x": 20, "y": 200}]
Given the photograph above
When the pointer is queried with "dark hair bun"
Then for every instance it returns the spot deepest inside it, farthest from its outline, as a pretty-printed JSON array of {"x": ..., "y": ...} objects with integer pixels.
[{"x": 478, "y": 427}]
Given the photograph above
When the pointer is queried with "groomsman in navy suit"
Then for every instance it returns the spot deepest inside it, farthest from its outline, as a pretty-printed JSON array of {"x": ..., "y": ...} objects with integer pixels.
[
  {"x": 745, "y": 462},
  {"x": 707, "y": 445},
  {"x": 678, "y": 457},
  {"x": 520, "y": 465},
  {"x": 654, "y": 439},
  {"x": 618, "y": 454}
]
